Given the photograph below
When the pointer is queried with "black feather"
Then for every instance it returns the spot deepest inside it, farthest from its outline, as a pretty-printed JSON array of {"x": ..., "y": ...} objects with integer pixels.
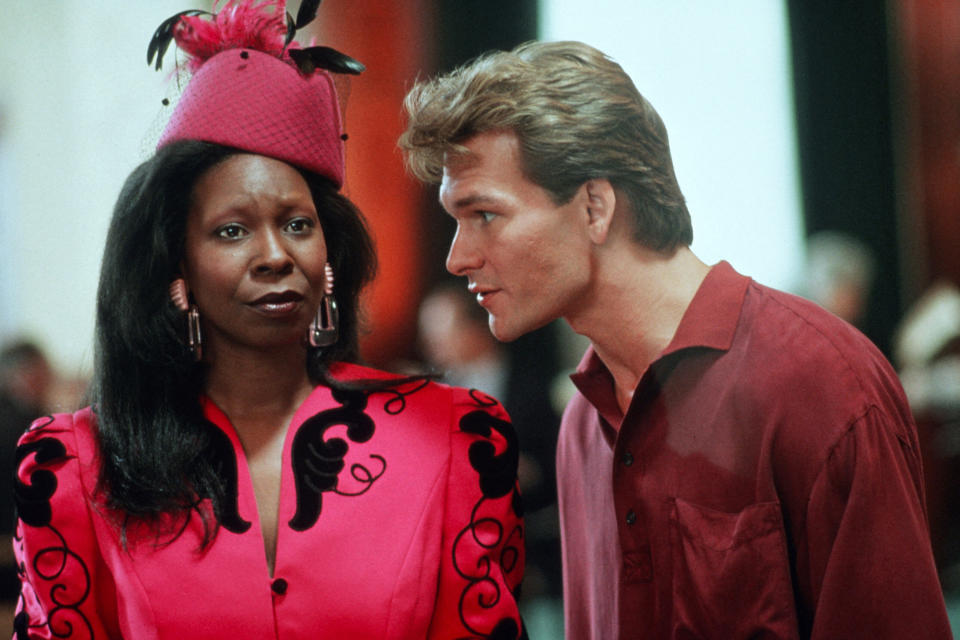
[
  {"x": 307, "y": 12},
  {"x": 312, "y": 58},
  {"x": 291, "y": 30},
  {"x": 164, "y": 34}
]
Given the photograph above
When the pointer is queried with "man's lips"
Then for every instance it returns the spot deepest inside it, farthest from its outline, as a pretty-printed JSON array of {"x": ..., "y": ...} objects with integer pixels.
[
  {"x": 277, "y": 303},
  {"x": 483, "y": 293}
]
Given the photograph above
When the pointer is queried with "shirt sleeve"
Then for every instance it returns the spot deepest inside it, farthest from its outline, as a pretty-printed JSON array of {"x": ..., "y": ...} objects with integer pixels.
[
  {"x": 870, "y": 565},
  {"x": 62, "y": 577},
  {"x": 483, "y": 537}
]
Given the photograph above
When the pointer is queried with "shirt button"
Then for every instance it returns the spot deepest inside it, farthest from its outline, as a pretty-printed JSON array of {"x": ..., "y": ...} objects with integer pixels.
[
  {"x": 627, "y": 459},
  {"x": 279, "y": 586},
  {"x": 631, "y": 517}
]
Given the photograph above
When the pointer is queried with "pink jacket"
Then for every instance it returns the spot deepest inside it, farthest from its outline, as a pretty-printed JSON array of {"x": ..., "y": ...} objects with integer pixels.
[{"x": 419, "y": 535}]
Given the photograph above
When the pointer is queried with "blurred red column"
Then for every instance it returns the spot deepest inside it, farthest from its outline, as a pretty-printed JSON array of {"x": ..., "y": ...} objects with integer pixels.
[
  {"x": 389, "y": 38},
  {"x": 928, "y": 34}
]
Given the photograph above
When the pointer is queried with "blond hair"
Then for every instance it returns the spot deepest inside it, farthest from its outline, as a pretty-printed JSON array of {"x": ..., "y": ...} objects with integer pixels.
[{"x": 577, "y": 116}]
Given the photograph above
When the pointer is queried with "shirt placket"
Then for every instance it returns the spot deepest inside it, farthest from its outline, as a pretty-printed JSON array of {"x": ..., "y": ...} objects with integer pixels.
[{"x": 633, "y": 520}]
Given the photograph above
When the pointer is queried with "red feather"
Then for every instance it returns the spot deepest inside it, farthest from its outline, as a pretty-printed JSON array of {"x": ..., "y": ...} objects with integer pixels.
[{"x": 238, "y": 24}]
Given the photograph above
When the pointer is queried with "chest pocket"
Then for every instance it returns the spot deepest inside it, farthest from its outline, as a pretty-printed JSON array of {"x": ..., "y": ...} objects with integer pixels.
[{"x": 731, "y": 575}]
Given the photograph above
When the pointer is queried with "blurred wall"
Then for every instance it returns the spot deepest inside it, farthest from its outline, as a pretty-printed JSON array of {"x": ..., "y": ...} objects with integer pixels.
[
  {"x": 842, "y": 70},
  {"x": 77, "y": 101},
  {"x": 926, "y": 39},
  {"x": 393, "y": 40}
]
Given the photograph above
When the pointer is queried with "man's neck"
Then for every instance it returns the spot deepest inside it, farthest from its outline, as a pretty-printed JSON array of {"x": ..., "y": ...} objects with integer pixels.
[{"x": 635, "y": 306}]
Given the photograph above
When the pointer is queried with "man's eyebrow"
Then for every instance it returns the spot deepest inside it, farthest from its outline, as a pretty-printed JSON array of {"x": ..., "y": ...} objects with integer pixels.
[{"x": 474, "y": 199}]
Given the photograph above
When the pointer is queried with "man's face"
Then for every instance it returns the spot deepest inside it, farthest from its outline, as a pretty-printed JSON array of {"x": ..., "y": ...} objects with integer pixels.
[{"x": 526, "y": 259}]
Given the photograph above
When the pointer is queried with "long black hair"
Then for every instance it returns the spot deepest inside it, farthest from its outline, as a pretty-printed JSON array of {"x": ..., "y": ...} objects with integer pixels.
[{"x": 156, "y": 447}]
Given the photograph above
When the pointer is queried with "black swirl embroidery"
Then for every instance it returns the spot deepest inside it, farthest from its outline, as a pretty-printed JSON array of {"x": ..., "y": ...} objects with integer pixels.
[
  {"x": 398, "y": 402},
  {"x": 364, "y": 476},
  {"x": 498, "y": 472},
  {"x": 497, "y": 479},
  {"x": 50, "y": 564},
  {"x": 482, "y": 586},
  {"x": 317, "y": 463},
  {"x": 55, "y": 563},
  {"x": 33, "y": 500},
  {"x": 37, "y": 424},
  {"x": 21, "y": 625},
  {"x": 224, "y": 460},
  {"x": 482, "y": 399}
]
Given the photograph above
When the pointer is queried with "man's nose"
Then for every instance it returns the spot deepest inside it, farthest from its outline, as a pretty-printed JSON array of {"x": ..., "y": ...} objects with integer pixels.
[{"x": 463, "y": 255}]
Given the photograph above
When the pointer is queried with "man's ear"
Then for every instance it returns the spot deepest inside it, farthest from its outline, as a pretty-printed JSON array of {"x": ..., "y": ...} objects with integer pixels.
[{"x": 601, "y": 203}]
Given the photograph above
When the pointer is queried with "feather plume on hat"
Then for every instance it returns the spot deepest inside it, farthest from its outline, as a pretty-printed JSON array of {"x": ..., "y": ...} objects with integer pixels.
[{"x": 254, "y": 87}]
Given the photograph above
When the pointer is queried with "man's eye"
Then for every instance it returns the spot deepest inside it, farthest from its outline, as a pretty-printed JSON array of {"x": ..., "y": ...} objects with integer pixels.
[
  {"x": 231, "y": 231},
  {"x": 487, "y": 216}
]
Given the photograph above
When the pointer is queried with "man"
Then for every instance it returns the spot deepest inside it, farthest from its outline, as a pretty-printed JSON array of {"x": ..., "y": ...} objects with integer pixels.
[{"x": 738, "y": 462}]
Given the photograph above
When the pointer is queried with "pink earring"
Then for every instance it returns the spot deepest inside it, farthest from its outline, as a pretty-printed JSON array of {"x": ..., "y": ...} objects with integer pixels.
[
  {"x": 324, "y": 329},
  {"x": 178, "y": 294}
]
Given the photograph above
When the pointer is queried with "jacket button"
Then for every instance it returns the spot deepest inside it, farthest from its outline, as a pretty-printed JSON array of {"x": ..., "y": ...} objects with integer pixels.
[
  {"x": 279, "y": 586},
  {"x": 631, "y": 517},
  {"x": 628, "y": 459}
]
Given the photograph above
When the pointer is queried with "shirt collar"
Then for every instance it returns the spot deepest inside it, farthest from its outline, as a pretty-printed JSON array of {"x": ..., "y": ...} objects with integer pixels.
[
  {"x": 710, "y": 321},
  {"x": 712, "y": 316}
]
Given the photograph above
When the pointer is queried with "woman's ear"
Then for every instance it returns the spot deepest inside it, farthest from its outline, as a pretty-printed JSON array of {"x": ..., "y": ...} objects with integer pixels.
[{"x": 601, "y": 203}]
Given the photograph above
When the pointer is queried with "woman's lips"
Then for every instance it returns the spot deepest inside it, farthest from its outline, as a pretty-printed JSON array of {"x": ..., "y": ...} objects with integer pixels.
[{"x": 278, "y": 304}]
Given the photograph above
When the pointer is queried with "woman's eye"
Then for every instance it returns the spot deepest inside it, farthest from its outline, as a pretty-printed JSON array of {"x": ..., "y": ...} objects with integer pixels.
[
  {"x": 299, "y": 225},
  {"x": 231, "y": 231},
  {"x": 487, "y": 216}
]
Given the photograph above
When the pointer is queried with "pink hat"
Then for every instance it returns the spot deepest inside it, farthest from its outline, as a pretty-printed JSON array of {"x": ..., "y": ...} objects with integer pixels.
[{"x": 254, "y": 89}]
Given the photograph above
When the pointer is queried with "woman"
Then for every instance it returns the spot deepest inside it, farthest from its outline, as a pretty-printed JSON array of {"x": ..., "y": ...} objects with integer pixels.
[{"x": 238, "y": 475}]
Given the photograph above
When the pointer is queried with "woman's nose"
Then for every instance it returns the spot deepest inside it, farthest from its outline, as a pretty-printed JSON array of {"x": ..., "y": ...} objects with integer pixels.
[{"x": 272, "y": 257}]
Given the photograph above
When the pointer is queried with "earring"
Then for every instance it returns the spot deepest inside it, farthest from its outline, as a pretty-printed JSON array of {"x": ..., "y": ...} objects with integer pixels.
[
  {"x": 178, "y": 294},
  {"x": 324, "y": 329}
]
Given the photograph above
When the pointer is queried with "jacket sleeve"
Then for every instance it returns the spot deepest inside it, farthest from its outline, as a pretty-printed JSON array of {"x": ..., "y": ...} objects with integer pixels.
[
  {"x": 871, "y": 570},
  {"x": 483, "y": 536},
  {"x": 62, "y": 577}
]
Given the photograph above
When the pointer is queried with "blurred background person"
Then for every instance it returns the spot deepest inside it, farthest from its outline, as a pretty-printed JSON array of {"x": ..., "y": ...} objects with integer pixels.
[
  {"x": 839, "y": 275},
  {"x": 455, "y": 339},
  {"x": 25, "y": 383},
  {"x": 927, "y": 355}
]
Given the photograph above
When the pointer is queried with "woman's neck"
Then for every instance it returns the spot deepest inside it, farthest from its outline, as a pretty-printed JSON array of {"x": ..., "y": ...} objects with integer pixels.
[
  {"x": 260, "y": 391},
  {"x": 258, "y": 386}
]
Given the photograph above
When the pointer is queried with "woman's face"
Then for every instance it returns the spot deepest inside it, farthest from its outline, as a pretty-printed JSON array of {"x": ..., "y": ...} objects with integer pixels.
[{"x": 255, "y": 254}]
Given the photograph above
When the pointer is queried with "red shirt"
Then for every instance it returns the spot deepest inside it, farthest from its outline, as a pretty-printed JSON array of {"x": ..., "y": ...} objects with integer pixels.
[{"x": 764, "y": 482}]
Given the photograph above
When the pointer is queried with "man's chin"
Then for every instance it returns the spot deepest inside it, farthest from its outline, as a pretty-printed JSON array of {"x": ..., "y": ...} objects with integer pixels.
[
  {"x": 508, "y": 332},
  {"x": 501, "y": 331}
]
